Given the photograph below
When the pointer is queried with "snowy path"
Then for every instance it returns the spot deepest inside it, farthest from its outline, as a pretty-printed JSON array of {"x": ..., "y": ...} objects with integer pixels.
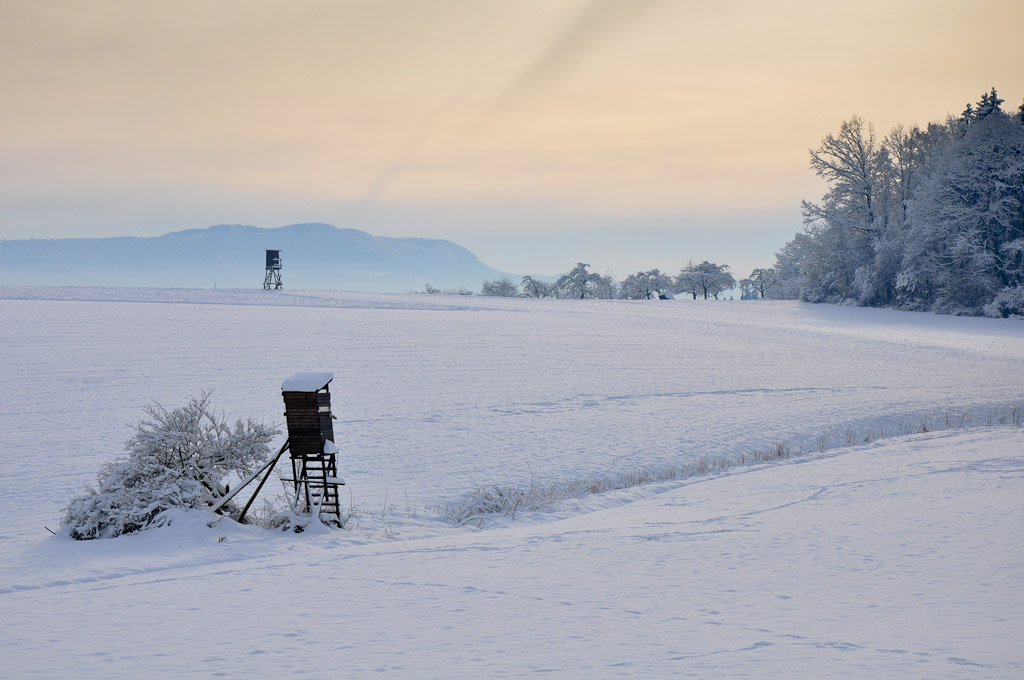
[{"x": 900, "y": 559}]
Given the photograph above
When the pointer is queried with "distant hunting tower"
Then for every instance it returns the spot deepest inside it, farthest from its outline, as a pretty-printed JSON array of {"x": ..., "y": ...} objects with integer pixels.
[
  {"x": 273, "y": 277},
  {"x": 307, "y": 402}
]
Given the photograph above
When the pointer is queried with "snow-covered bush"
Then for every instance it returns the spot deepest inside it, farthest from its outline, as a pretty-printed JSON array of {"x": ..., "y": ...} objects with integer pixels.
[
  {"x": 177, "y": 458},
  {"x": 133, "y": 493},
  {"x": 503, "y": 287},
  {"x": 1009, "y": 302}
]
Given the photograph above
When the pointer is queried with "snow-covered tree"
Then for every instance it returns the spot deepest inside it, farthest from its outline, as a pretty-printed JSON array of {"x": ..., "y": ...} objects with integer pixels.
[
  {"x": 605, "y": 287},
  {"x": 849, "y": 162},
  {"x": 581, "y": 283},
  {"x": 760, "y": 281},
  {"x": 576, "y": 284},
  {"x": 988, "y": 105},
  {"x": 852, "y": 213},
  {"x": 686, "y": 281},
  {"x": 707, "y": 279},
  {"x": 1007, "y": 302},
  {"x": 906, "y": 151},
  {"x": 966, "y": 217},
  {"x": 503, "y": 287},
  {"x": 928, "y": 219},
  {"x": 535, "y": 289},
  {"x": 177, "y": 458},
  {"x": 715, "y": 279},
  {"x": 645, "y": 285},
  {"x": 789, "y": 267}
]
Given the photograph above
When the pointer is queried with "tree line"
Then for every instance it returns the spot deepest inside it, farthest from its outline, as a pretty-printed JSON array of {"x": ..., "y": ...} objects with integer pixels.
[
  {"x": 706, "y": 279},
  {"x": 926, "y": 219},
  {"x": 922, "y": 219}
]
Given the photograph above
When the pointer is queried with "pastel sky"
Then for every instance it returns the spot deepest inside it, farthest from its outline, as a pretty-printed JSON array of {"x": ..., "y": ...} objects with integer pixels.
[{"x": 628, "y": 134}]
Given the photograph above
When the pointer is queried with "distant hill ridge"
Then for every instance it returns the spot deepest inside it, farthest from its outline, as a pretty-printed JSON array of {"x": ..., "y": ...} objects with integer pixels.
[{"x": 313, "y": 255}]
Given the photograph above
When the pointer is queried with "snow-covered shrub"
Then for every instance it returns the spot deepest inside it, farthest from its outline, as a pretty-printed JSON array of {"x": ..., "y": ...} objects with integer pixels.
[
  {"x": 503, "y": 287},
  {"x": 133, "y": 493},
  {"x": 1008, "y": 302},
  {"x": 177, "y": 458}
]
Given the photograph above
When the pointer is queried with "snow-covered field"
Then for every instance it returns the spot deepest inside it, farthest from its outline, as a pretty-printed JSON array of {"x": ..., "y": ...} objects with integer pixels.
[{"x": 899, "y": 558}]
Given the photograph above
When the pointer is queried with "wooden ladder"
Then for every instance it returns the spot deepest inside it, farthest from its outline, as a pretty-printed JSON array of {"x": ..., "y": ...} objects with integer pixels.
[{"x": 318, "y": 487}]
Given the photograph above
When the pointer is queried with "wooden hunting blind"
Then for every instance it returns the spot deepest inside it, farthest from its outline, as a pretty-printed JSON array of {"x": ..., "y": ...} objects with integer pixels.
[{"x": 307, "y": 402}]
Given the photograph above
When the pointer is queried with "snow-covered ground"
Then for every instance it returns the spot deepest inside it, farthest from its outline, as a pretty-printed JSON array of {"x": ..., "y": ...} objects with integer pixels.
[
  {"x": 900, "y": 558},
  {"x": 894, "y": 560}
]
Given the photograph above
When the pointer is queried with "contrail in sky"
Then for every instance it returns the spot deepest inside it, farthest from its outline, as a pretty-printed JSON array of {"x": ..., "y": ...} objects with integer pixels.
[
  {"x": 400, "y": 162},
  {"x": 592, "y": 26}
]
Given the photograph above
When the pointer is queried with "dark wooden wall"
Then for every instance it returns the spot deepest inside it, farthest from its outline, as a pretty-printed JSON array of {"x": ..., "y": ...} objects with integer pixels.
[{"x": 303, "y": 418}]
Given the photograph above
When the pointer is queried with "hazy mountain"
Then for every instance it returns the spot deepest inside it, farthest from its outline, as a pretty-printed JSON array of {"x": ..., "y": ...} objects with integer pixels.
[{"x": 233, "y": 256}]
